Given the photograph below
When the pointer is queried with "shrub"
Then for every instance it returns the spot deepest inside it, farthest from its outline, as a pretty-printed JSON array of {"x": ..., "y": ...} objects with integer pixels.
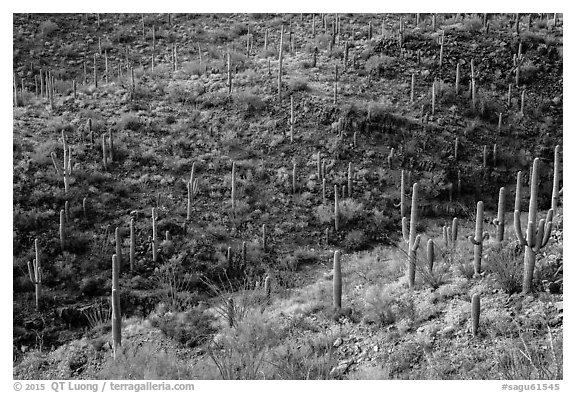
[
  {"x": 129, "y": 121},
  {"x": 356, "y": 240},
  {"x": 250, "y": 102},
  {"x": 190, "y": 328},
  {"x": 311, "y": 360},
  {"x": 380, "y": 65},
  {"x": 350, "y": 210},
  {"x": 298, "y": 84},
  {"x": 144, "y": 360},
  {"x": 243, "y": 352},
  {"x": 506, "y": 264},
  {"x": 529, "y": 360},
  {"x": 175, "y": 284}
]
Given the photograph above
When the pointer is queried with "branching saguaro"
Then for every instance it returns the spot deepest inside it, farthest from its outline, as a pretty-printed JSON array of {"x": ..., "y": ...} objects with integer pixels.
[
  {"x": 500, "y": 220},
  {"x": 34, "y": 271},
  {"x": 478, "y": 238},
  {"x": 535, "y": 237},
  {"x": 411, "y": 239}
]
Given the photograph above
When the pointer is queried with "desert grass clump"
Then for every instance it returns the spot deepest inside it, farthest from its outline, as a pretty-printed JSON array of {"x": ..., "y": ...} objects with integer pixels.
[{"x": 504, "y": 263}]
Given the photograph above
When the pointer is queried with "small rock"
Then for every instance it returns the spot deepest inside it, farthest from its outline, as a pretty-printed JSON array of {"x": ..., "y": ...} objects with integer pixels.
[
  {"x": 337, "y": 342},
  {"x": 375, "y": 348}
]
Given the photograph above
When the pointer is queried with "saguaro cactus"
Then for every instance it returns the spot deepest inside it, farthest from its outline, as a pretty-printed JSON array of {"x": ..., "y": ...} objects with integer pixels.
[
  {"x": 500, "y": 219},
  {"x": 457, "y": 82},
  {"x": 337, "y": 282},
  {"x": 116, "y": 316},
  {"x": 336, "y": 209},
  {"x": 536, "y": 237},
  {"x": 294, "y": 178},
  {"x": 280, "y": 52},
  {"x": 34, "y": 271},
  {"x": 477, "y": 239},
  {"x": 403, "y": 201},
  {"x": 475, "y": 313},
  {"x": 268, "y": 289},
  {"x": 154, "y": 237},
  {"x": 233, "y": 193},
  {"x": 411, "y": 238},
  {"x": 62, "y": 230},
  {"x": 118, "y": 238},
  {"x": 132, "y": 245},
  {"x": 556, "y": 181},
  {"x": 229, "y": 67},
  {"x": 430, "y": 254},
  {"x": 66, "y": 170},
  {"x": 291, "y": 118},
  {"x": 412, "y": 87},
  {"x": 349, "y": 180}
]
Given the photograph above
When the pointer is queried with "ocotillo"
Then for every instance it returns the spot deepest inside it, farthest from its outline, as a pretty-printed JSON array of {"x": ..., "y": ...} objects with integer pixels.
[
  {"x": 536, "y": 237},
  {"x": 412, "y": 240}
]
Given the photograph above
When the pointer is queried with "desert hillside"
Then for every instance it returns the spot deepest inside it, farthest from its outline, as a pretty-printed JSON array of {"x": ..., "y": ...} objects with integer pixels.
[{"x": 287, "y": 196}]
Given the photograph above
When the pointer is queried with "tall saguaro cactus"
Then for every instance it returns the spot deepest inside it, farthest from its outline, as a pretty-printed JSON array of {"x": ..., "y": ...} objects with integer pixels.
[
  {"x": 336, "y": 209},
  {"x": 403, "y": 201},
  {"x": 500, "y": 219},
  {"x": 477, "y": 239},
  {"x": 556, "y": 181},
  {"x": 536, "y": 237},
  {"x": 337, "y": 282},
  {"x": 34, "y": 271},
  {"x": 132, "y": 245},
  {"x": 154, "y": 237},
  {"x": 280, "y": 53},
  {"x": 66, "y": 170},
  {"x": 233, "y": 193},
  {"x": 116, "y": 316},
  {"x": 411, "y": 238}
]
